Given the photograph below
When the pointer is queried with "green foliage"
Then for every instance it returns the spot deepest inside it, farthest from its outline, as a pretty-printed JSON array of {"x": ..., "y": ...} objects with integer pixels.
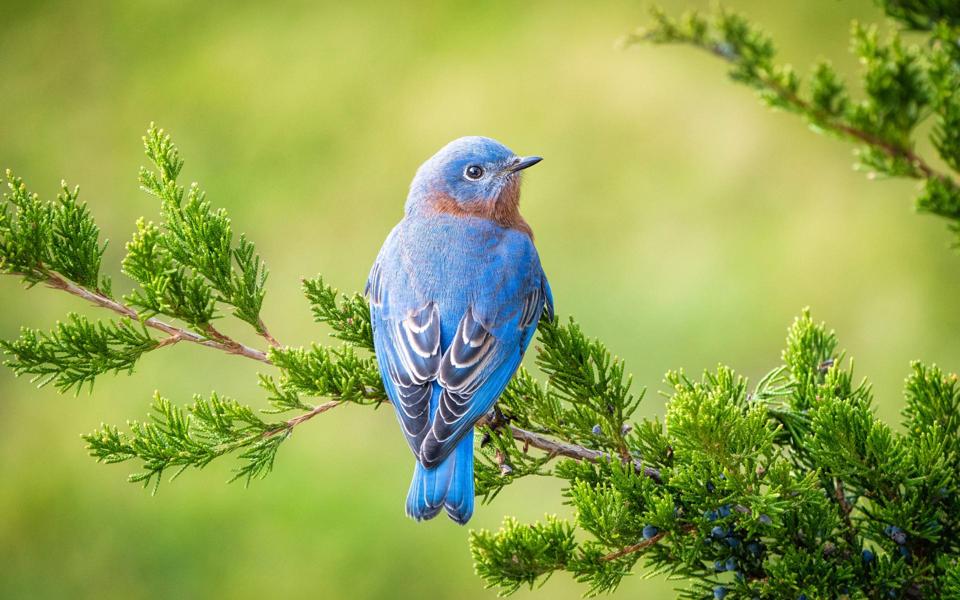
[
  {"x": 75, "y": 352},
  {"x": 185, "y": 267},
  {"x": 165, "y": 287},
  {"x": 922, "y": 14},
  {"x": 500, "y": 462},
  {"x": 790, "y": 513},
  {"x": 329, "y": 372},
  {"x": 519, "y": 554},
  {"x": 179, "y": 438},
  {"x": 587, "y": 399},
  {"x": 349, "y": 319},
  {"x": 903, "y": 87},
  {"x": 190, "y": 261},
  {"x": 37, "y": 237}
]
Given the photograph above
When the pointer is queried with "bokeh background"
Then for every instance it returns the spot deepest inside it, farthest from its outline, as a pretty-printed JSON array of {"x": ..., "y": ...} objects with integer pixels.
[{"x": 677, "y": 218}]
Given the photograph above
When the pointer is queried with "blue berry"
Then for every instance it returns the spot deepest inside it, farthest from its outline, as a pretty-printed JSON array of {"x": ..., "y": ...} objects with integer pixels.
[
  {"x": 718, "y": 532},
  {"x": 802, "y": 597},
  {"x": 765, "y": 520},
  {"x": 899, "y": 537},
  {"x": 753, "y": 548},
  {"x": 867, "y": 556},
  {"x": 719, "y": 592},
  {"x": 711, "y": 487},
  {"x": 733, "y": 542},
  {"x": 731, "y": 564},
  {"x": 719, "y": 566},
  {"x": 904, "y": 552},
  {"x": 596, "y": 430},
  {"x": 724, "y": 510},
  {"x": 649, "y": 531},
  {"x": 711, "y": 515}
]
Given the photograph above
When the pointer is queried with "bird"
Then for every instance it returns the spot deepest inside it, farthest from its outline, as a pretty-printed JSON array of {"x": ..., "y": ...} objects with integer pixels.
[{"x": 455, "y": 294}]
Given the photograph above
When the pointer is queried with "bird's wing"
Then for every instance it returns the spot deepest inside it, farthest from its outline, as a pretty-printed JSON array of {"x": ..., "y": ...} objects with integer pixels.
[
  {"x": 483, "y": 355},
  {"x": 408, "y": 354}
]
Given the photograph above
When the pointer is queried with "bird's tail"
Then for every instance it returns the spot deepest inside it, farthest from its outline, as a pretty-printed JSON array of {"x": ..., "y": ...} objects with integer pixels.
[{"x": 449, "y": 485}]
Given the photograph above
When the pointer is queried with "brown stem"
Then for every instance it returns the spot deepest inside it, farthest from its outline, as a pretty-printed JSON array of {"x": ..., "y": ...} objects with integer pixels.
[
  {"x": 845, "y": 509},
  {"x": 220, "y": 342},
  {"x": 265, "y": 333},
  {"x": 291, "y": 423},
  {"x": 558, "y": 448},
  {"x": 635, "y": 547}
]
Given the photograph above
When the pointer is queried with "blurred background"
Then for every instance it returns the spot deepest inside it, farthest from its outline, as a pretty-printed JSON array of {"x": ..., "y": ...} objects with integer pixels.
[{"x": 678, "y": 219}]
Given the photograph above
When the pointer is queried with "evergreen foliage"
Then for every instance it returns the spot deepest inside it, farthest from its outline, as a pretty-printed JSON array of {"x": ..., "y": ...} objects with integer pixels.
[
  {"x": 905, "y": 90},
  {"x": 786, "y": 488}
]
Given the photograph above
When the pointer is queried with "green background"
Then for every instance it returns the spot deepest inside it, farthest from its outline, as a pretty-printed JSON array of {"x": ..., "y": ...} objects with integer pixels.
[{"x": 677, "y": 218}]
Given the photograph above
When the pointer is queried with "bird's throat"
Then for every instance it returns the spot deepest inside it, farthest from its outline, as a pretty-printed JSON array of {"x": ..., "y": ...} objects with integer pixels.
[{"x": 504, "y": 210}]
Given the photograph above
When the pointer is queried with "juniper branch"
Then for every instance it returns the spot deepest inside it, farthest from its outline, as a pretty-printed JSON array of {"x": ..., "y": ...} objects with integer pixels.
[
  {"x": 904, "y": 85},
  {"x": 176, "y": 334},
  {"x": 638, "y": 547}
]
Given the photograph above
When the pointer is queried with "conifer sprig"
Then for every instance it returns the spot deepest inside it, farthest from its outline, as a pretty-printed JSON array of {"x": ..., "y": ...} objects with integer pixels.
[
  {"x": 192, "y": 255},
  {"x": 76, "y": 351},
  {"x": 179, "y": 438},
  {"x": 903, "y": 86}
]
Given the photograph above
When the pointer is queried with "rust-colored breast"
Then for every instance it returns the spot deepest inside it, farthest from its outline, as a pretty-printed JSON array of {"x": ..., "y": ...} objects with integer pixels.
[{"x": 504, "y": 211}]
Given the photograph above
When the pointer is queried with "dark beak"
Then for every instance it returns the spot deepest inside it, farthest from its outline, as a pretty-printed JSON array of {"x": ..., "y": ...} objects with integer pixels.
[{"x": 523, "y": 162}]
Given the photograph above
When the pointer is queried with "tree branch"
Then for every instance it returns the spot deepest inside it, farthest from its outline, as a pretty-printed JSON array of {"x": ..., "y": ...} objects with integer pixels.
[
  {"x": 822, "y": 119},
  {"x": 635, "y": 547},
  {"x": 219, "y": 342},
  {"x": 291, "y": 423},
  {"x": 555, "y": 448}
]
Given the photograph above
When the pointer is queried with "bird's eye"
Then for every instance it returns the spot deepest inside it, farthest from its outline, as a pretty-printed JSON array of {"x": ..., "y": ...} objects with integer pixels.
[{"x": 473, "y": 172}]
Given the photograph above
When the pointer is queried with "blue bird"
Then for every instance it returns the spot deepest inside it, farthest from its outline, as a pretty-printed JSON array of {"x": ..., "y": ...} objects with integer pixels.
[{"x": 455, "y": 297}]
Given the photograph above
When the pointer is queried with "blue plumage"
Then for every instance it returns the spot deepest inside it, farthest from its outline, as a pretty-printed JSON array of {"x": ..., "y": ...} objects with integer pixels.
[{"x": 455, "y": 296}]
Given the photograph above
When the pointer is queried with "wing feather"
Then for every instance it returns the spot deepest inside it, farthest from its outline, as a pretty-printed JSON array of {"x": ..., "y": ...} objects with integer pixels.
[
  {"x": 473, "y": 372},
  {"x": 408, "y": 351}
]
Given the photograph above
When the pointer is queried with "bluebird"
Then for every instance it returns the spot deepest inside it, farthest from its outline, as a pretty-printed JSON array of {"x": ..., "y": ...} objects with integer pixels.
[{"x": 455, "y": 297}]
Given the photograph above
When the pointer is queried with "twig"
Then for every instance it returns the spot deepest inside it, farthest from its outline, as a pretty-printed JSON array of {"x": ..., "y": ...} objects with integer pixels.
[
  {"x": 558, "y": 448},
  {"x": 635, "y": 547},
  {"x": 291, "y": 423},
  {"x": 845, "y": 509},
  {"x": 265, "y": 333},
  {"x": 222, "y": 342}
]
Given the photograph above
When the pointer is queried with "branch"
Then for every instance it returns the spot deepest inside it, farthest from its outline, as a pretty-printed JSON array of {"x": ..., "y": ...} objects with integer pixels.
[
  {"x": 635, "y": 547},
  {"x": 219, "y": 341},
  {"x": 820, "y": 117},
  {"x": 555, "y": 448},
  {"x": 291, "y": 423}
]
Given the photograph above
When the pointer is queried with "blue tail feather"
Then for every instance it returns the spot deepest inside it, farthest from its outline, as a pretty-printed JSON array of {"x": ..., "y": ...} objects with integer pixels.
[
  {"x": 449, "y": 485},
  {"x": 459, "y": 500}
]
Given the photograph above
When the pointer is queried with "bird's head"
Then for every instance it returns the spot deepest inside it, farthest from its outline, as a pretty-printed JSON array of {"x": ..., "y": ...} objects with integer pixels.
[{"x": 470, "y": 175}]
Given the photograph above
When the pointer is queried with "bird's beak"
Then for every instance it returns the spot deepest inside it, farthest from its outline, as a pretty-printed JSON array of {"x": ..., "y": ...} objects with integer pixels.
[{"x": 522, "y": 162}]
